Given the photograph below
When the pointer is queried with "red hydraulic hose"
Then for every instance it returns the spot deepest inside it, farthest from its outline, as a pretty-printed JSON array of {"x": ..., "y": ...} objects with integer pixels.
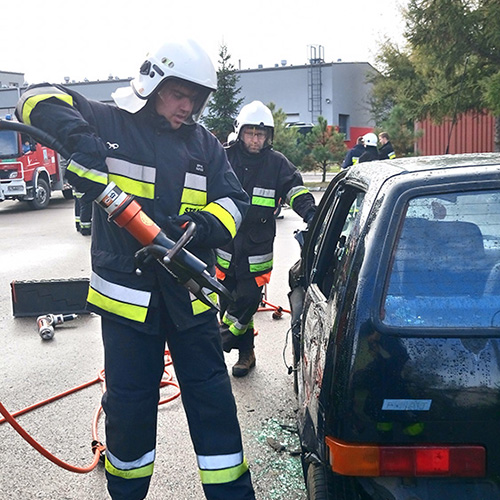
[{"x": 97, "y": 447}]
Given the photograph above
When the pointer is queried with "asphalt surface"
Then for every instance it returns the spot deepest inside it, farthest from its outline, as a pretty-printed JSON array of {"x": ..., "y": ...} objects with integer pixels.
[{"x": 42, "y": 245}]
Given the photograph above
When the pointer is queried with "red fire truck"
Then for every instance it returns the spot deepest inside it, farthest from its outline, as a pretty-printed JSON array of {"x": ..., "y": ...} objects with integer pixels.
[{"x": 29, "y": 171}]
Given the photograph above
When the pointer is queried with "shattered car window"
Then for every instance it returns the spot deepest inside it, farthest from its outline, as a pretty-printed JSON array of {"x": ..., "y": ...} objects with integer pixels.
[{"x": 445, "y": 268}]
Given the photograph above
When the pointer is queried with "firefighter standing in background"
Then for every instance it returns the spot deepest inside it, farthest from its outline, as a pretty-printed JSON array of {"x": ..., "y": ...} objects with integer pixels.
[
  {"x": 152, "y": 147},
  {"x": 244, "y": 265},
  {"x": 353, "y": 155},
  {"x": 386, "y": 151},
  {"x": 371, "y": 151},
  {"x": 83, "y": 214}
]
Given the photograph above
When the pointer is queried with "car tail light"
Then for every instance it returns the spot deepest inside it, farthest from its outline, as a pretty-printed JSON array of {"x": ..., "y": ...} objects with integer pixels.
[{"x": 406, "y": 461}]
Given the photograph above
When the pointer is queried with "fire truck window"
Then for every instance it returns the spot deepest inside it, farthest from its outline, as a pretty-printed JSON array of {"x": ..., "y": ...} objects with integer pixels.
[
  {"x": 8, "y": 144},
  {"x": 28, "y": 143}
]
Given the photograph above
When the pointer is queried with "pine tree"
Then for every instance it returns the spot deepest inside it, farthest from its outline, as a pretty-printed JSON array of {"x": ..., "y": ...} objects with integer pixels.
[
  {"x": 326, "y": 147},
  {"x": 224, "y": 104}
]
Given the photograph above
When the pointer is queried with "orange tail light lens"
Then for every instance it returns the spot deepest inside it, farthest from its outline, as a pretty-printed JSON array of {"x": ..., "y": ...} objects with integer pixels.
[{"x": 406, "y": 461}]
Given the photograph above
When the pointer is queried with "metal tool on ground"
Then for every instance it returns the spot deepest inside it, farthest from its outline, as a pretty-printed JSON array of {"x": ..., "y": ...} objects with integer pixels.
[{"x": 47, "y": 323}]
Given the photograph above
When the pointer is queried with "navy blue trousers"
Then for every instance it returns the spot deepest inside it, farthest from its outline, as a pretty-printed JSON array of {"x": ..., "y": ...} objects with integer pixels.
[{"x": 134, "y": 365}]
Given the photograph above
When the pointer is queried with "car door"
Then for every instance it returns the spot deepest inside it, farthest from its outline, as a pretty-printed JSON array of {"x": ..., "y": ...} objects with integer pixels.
[{"x": 326, "y": 261}]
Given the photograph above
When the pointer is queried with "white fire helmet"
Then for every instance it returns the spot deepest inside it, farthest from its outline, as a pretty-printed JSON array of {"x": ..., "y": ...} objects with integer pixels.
[
  {"x": 231, "y": 138},
  {"x": 370, "y": 139},
  {"x": 184, "y": 60},
  {"x": 257, "y": 114}
]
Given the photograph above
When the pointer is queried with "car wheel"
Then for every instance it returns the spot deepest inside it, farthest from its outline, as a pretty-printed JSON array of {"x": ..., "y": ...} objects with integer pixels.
[
  {"x": 42, "y": 195},
  {"x": 323, "y": 484}
]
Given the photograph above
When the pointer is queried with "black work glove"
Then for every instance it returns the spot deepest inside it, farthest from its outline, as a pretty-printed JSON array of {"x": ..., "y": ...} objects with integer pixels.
[
  {"x": 309, "y": 215},
  {"x": 175, "y": 227}
]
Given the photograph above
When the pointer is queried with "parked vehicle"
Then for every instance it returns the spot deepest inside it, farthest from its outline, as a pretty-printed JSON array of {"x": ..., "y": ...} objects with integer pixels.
[
  {"x": 396, "y": 332},
  {"x": 29, "y": 171}
]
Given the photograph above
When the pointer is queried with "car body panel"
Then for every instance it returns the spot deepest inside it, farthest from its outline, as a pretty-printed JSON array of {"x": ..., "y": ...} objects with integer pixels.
[{"x": 377, "y": 365}]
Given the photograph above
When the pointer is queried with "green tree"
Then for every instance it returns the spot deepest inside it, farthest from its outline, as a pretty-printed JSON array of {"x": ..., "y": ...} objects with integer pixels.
[
  {"x": 448, "y": 65},
  {"x": 401, "y": 130},
  {"x": 286, "y": 139},
  {"x": 325, "y": 147},
  {"x": 224, "y": 104}
]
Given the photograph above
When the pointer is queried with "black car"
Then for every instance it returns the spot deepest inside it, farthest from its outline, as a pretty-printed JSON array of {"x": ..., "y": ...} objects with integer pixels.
[{"x": 396, "y": 332}]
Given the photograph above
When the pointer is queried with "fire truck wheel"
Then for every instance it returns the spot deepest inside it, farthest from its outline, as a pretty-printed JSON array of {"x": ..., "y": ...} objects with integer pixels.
[{"x": 42, "y": 195}]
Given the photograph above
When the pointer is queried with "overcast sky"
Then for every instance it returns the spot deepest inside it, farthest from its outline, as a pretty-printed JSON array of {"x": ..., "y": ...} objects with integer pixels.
[{"x": 48, "y": 40}]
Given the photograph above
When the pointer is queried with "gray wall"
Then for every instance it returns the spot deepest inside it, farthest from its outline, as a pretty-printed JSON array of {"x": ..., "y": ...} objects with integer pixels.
[{"x": 344, "y": 90}]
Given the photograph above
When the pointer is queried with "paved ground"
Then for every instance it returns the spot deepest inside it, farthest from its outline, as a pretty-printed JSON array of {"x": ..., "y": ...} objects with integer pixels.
[{"x": 44, "y": 245}]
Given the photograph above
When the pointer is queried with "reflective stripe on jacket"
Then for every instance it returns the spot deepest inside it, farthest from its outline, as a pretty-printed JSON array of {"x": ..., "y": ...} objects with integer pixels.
[{"x": 169, "y": 172}]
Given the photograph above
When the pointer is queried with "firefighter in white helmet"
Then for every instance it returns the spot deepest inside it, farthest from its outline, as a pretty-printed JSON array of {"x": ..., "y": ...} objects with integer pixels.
[
  {"x": 244, "y": 265},
  {"x": 371, "y": 150},
  {"x": 152, "y": 147}
]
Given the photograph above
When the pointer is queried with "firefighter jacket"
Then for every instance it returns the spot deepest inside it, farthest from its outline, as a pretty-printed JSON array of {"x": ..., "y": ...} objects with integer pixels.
[
  {"x": 169, "y": 172},
  {"x": 386, "y": 152},
  {"x": 353, "y": 156},
  {"x": 370, "y": 154},
  {"x": 267, "y": 177}
]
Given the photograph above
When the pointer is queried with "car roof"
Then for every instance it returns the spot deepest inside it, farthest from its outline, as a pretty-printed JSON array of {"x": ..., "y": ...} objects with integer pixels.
[{"x": 377, "y": 172}]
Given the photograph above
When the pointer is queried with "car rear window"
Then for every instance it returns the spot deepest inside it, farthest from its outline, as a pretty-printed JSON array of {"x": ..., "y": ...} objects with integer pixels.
[{"x": 445, "y": 266}]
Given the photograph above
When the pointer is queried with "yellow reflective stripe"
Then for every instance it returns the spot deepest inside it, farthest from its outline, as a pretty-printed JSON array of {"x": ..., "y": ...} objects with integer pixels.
[
  {"x": 199, "y": 307},
  {"x": 89, "y": 174},
  {"x": 129, "y": 311},
  {"x": 223, "y": 215},
  {"x": 145, "y": 471},
  {"x": 237, "y": 332},
  {"x": 223, "y": 258},
  {"x": 392, "y": 155},
  {"x": 131, "y": 186},
  {"x": 263, "y": 202},
  {"x": 235, "y": 327},
  {"x": 256, "y": 268},
  {"x": 194, "y": 197},
  {"x": 259, "y": 263},
  {"x": 31, "y": 102},
  {"x": 223, "y": 475},
  {"x": 228, "y": 319},
  {"x": 223, "y": 262},
  {"x": 292, "y": 199}
]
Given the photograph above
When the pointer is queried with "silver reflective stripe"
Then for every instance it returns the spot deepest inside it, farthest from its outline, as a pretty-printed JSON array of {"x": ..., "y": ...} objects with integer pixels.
[
  {"x": 259, "y": 259},
  {"x": 266, "y": 193},
  {"x": 224, "y": 255},
  {"x": 131, "y": 170},
  {"x": 119, "y": 292},
  {"x": 194, "y": 181},
  {"x": 228, "y": 318},
  {"x": 240, "y": 326},
  {"x": 229, "y": 205},
  {"x": 217, "y": 462},
  {"x": 146, "y": 459},
  {"x": 293, "y": 192}
]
